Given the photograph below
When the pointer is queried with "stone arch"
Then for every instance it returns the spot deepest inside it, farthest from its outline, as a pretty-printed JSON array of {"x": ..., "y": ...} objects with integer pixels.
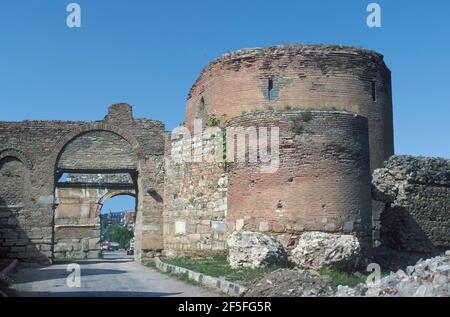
[
  {"x": 116, "y": 192},
  {"x": 18, "y": 154},
  {"x": 141, "y": 168},
  {"x": 98, "y": 126},
  {"x": 13, "y": 174},
  {"x": 111, "y": 193}
]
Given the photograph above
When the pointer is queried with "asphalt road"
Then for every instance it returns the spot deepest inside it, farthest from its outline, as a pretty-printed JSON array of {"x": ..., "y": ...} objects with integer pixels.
[{"x": 115, "y": 275}]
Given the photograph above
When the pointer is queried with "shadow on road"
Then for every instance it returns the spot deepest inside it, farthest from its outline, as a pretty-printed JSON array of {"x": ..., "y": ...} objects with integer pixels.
[
  {"x": 52, "y": 274},
  {"x": 96, "y": 294},
  {"x": 100, "y": 261}
]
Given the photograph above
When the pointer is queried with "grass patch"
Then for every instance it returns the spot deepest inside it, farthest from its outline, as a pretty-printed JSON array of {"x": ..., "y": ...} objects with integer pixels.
[
  {"x": 343, "y": 278},
  {"x": 217, "y": 266}
]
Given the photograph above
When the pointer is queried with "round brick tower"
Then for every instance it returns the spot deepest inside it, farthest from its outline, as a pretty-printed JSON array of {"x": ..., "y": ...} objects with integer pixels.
[
  {"x": 313, "y": 77},
  {"x": 322, "y": 180}
]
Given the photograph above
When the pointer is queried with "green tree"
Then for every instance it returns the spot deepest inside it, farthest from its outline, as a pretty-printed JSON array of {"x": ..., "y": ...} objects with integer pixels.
[{"x": 121, "y": 235}]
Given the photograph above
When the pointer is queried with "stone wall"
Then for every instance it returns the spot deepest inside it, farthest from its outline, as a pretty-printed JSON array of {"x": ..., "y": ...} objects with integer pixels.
[
  {"x": 21, "y": 233},
  {"x": 39, "y": 145},
  {"x": 299, "y": 76},
  {"x": 322, "y": 182},
  {"x": 98, "y": 150},
  {"x": 120, "y": 178},
  {"x": 195, "y": 202},
  {"x": 77, "y": 218},
  {"x": 416, "y": 194}
]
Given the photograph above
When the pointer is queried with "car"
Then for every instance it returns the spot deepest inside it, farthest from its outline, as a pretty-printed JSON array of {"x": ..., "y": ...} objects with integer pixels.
[
  {"x": 113, "y": 246},
  {"x": 105, "y": 246}
]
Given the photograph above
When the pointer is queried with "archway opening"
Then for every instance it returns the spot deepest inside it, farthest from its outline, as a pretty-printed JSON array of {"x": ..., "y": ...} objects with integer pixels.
[
  {"x": 92, "y": 210},
  {"x": 117, "y": 224},
  {"x": 91, "y": 168}
]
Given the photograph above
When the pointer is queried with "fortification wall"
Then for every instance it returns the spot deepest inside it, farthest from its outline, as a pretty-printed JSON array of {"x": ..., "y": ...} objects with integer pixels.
[
  {"x": 416, "y": 195},
  {"x": 36, "y": 147},
  {"x": 322, "y": 182},
  {"x": 195, "y": 204},
  {"x": 77, "y": 223},
  {"x": 299, "y": 77}
]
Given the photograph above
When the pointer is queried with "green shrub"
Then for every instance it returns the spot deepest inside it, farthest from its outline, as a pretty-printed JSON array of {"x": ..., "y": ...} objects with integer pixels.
[{"x": 121, "y": 235}]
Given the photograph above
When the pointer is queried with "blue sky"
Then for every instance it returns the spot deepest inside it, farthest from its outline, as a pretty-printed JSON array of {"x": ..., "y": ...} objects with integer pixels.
[
  {"x": 119, "y": 203},
  {"x": 149, "y": 53}
]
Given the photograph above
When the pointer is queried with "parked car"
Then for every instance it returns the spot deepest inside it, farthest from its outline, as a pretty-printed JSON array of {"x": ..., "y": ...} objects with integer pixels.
[
  {"x": 113, "y": 246},
  {"x": 105, "y": 246}
]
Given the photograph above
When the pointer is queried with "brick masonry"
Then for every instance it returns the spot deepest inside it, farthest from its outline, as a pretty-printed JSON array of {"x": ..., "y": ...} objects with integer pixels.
[
  {"x": 322, "y": 182},
  {"x": 303, "y": 77}
]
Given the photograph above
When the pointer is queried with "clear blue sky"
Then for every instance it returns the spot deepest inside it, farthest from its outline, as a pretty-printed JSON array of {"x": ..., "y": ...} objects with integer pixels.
[
  {"x": 119, "y": 203},
  {"x": 149, "y": 53}
]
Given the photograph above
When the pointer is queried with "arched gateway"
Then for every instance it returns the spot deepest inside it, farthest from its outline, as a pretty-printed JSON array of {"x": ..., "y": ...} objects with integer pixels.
[{"x": 60, "y": 219}]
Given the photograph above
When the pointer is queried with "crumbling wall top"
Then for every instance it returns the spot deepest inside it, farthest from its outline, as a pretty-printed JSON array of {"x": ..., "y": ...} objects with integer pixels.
[
  {"x": 120, "y": 112},
  {"x": 272, "y": 53}
]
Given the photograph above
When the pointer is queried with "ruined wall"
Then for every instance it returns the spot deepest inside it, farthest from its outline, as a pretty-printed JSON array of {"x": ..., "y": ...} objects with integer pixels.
[
  {"x": 299, "y": 76},
  {"x": 77, "y": 218},
  {"x": 77, "y": 223},
  {"x": 120, "y": 178},
  {"x": 18, "y": 224},
  {"x": 39, "y": 145},
  {"x": 416, "y": 194},
  {"x": 322, "y": 182},
  {"x": 195, "y": 201},
  {"x": 98, "y": 150}
]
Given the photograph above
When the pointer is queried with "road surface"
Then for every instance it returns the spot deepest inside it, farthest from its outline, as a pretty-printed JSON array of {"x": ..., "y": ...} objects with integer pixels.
[{"x": 115, "y": 275}]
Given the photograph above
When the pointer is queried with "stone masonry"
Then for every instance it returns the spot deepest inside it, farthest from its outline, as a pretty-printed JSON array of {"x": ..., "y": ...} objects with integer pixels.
[
  {"x": 333, "y": 108},
  {"x": 34, "y": 155},
  {"x": 416, "y": 194}
]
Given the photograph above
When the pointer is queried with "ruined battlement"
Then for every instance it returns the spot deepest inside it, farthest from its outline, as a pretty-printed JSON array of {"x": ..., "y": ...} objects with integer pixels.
[{"x": 309, "y": 77}]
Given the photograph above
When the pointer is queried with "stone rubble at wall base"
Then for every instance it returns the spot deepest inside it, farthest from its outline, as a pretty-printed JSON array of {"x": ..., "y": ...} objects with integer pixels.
[
  {"x": 253, "y": 249},
  {"x": 428, "y": 278},
  {"x": 316, "y": 250}
]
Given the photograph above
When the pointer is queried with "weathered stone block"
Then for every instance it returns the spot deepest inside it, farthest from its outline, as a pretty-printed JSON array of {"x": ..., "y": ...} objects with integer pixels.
[
  {"x": 180, "y": 227},
  {"x": 94, "y": 244},
  {"x": 253, "y": 249},
  {"x": 219, "y": 226},
  {"x": 316, "y": 250}
]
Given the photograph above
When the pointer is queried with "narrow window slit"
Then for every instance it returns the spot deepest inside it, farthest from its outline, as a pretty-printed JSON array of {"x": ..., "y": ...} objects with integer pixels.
[
  {"x": 270, "y": 89},
  {"x": 374, "y": 91}
]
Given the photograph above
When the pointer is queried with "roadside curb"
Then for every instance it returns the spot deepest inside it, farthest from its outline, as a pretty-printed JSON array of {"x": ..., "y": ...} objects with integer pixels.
[{"x": 219, "y": 284}]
